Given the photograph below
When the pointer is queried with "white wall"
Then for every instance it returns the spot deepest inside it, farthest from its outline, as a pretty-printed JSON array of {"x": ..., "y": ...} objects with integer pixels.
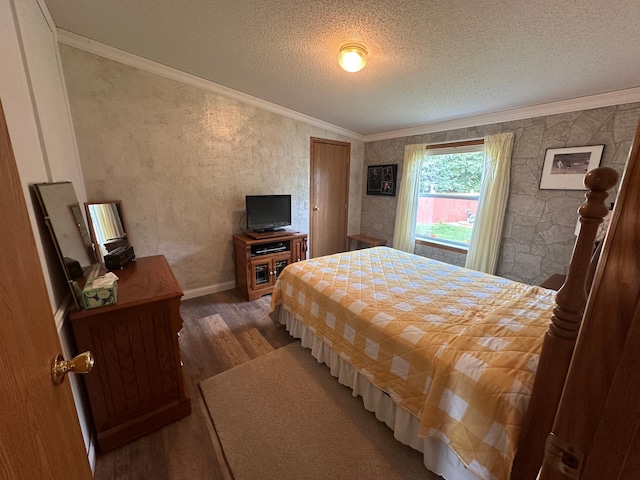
[
  {"x": 36, "y": 109},
  {"x": 182, "y": 157},
  {"x": 15, "y": 95}
]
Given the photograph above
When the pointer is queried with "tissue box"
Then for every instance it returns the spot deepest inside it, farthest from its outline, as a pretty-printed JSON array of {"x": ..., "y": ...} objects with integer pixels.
[{"x": 100, "y": 291}]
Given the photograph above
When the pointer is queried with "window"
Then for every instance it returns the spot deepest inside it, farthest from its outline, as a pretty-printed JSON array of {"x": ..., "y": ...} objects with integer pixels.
[{"x": 450, "y": 180}]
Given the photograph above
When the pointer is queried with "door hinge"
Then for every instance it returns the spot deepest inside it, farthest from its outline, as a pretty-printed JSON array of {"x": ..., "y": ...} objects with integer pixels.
[{"x": 563, "y": 457}]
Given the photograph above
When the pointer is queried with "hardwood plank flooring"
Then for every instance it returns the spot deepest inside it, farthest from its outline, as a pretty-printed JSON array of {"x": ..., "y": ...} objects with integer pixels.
[{"x": 220, "y": 331}]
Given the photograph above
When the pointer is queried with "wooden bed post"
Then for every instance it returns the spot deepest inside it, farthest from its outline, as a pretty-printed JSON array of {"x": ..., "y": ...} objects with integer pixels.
[
  {"x": 596, "y": 428},
  {"x": 559, "y": 341}
]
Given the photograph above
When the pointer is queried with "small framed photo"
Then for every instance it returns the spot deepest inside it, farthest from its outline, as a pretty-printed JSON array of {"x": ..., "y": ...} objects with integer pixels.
[
  {"x": 565, "y": 168},
  {"x": 381, "y": 179}
]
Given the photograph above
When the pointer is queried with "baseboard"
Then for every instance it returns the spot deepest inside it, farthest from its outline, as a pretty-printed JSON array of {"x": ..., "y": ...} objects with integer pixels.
[{"x": 209, "y": 289}]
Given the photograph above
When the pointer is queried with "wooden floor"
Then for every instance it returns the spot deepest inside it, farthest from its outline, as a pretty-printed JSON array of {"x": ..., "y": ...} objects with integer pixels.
[{"x": 220, "y": 331}]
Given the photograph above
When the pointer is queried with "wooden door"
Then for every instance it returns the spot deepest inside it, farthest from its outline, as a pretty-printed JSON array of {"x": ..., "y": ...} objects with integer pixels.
[
  {"x": 329, "y": 196},
  {"x": 40, "y": 435}
]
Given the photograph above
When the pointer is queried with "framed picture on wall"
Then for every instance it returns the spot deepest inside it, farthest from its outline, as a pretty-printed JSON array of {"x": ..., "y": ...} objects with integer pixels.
[
  {"x": 565, "y": 168},
  {"x": 381, "y": 179}
]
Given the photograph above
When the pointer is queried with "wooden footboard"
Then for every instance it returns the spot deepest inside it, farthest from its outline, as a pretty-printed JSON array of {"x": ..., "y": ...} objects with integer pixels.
[{"x": 560, "y": 339}]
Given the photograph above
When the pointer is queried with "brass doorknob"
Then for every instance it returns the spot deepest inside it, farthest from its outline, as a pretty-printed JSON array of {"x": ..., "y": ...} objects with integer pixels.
[{"x": 82, "y": 363}]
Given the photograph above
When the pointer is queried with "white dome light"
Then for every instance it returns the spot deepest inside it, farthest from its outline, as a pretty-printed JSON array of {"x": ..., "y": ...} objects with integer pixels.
[{"x": 352, "y": 57}]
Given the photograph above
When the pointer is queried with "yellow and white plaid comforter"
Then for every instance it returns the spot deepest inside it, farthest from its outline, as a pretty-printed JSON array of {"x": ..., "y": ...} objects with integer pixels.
[{"x": 456, "y": 348}]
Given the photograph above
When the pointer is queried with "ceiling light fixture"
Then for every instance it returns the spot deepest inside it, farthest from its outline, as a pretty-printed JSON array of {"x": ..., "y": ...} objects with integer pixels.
[{"x": 352, "y": 57}]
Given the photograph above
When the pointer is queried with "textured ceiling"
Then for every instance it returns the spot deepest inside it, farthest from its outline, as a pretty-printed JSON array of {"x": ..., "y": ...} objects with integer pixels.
[{"x": 429, "y": 60}]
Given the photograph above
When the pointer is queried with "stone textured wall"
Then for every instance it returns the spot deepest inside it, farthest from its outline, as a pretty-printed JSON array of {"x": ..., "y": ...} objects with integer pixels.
[
  {"x": 538, "y": 235},
  {"x": 182, "y": 159}
]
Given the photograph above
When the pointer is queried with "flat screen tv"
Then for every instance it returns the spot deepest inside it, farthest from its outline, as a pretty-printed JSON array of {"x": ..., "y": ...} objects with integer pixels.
[{"x": 268, "y": 213}]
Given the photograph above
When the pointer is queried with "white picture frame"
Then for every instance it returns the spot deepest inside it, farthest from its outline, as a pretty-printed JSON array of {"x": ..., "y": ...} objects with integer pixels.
[{"x": 565, "y": 168}]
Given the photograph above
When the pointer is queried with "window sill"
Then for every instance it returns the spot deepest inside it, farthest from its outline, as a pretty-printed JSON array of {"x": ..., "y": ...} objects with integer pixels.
[{"x": 443, "y": 246}]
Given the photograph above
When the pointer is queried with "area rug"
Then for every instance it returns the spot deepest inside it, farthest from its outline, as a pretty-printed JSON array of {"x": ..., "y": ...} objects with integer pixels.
[{"x": 283, "y": 416}]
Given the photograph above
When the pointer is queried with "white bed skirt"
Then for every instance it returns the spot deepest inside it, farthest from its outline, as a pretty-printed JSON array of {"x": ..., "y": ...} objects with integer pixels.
[{"x": 438, "y": 457}]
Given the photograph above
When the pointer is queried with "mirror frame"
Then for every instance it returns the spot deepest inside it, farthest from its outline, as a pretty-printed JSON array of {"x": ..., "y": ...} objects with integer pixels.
[{"x": 76, "y": 212}]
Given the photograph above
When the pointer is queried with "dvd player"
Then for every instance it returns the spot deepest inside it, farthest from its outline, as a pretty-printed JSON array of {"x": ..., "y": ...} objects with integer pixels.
[{"x": 265, "y": 249}]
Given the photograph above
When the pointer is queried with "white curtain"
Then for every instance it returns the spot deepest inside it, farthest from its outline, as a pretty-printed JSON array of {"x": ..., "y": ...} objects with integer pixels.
[
  {"x": 404, "y": 231},
  {"x": 494, "y": 192}
]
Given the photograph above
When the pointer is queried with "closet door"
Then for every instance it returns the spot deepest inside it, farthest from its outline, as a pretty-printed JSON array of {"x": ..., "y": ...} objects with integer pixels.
[{"x": 329, "y": 196}]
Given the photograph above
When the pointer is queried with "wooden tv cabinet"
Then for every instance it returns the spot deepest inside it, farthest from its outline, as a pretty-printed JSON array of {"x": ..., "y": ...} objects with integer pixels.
[
  {"x": 259, "y": 261},
  {"x": 136, "y": 385}
]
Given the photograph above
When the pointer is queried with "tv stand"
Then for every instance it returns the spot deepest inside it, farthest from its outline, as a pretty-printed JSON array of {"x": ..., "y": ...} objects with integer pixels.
[{"x": 259, "y": 261}]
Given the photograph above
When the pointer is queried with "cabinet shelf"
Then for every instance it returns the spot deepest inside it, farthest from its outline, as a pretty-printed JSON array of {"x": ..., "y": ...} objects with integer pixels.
[{"x": 269, "y": 248}]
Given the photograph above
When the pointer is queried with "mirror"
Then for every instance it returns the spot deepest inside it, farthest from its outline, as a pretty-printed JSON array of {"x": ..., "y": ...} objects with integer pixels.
[
  {"x": 107, "y": 226},
  {"x": 63, "y": 217}
]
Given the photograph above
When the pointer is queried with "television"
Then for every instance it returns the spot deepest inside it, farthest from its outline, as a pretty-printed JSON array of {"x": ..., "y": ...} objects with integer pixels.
[{"x": 268, "y": 213}]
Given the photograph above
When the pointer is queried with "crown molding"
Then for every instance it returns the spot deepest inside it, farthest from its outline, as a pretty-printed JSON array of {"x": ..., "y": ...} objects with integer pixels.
[
  {"x": 115, "y": 54},
  {"x": 620, "y": 97}
]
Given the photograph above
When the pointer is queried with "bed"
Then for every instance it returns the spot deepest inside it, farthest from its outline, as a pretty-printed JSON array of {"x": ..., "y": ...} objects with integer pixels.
[{"x": 446, "y": 357}]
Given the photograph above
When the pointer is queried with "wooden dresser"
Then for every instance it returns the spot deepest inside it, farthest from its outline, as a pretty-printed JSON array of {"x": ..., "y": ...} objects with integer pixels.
[{"x": 136, "y": 385}]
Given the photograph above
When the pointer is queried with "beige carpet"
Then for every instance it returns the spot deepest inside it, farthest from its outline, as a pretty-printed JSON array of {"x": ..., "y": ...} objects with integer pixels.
[{"x": 283, "y": 416}]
